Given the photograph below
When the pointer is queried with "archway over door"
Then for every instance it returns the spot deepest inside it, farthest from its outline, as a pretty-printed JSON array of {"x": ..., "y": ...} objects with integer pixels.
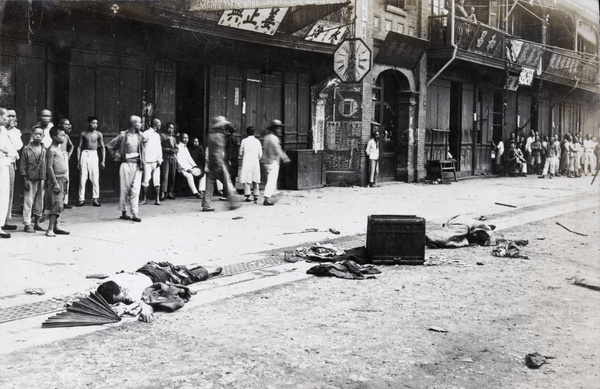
[{"x": 391, "y": 111}]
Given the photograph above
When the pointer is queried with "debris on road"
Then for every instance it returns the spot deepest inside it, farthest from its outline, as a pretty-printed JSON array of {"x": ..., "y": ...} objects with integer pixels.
[
  {"x": 535, "y": 360},
  {"x": 319, "y": 252},
  {"x": 574, "y": 232},
  {"x": 99, "y": 276},
  {"x": 589, "y": 284},
  {"x": 38, "y": 291},
  {"x": 509, "y": 248},
  {"x": 346, "y": 269},
  {"x": 506, "y": 205},
  {"x": 437, "y": 329},
  {"x": 334, "y": 231}
]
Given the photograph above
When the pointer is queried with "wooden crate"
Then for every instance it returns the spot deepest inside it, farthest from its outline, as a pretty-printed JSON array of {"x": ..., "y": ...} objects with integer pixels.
[{"x": 396, "y": 239}]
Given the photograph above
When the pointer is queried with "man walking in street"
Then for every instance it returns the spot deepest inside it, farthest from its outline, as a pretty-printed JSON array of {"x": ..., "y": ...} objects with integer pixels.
[
  {"x": 250, "y": 154},
  {"x": 215, "y": 167},
  {"x": 272, "y": 155},
  {"x": 87, "y": 155},
  {"x": 372, "y": 152},
  {"x": 152, "y": 160},
  {"x": 14, "y": 135}
]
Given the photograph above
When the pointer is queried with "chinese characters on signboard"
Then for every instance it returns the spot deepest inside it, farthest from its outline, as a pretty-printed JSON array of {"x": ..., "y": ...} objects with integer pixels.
[
  {"x": 261, "y": 20},
  {"x": 526, "y": 76},
  {"x": 326, "y": 32},
  {"x": 485, "y": 40}
]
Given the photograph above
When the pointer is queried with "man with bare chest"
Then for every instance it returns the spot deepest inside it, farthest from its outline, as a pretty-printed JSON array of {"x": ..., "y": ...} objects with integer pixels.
[{"x": 90, "y": 142}]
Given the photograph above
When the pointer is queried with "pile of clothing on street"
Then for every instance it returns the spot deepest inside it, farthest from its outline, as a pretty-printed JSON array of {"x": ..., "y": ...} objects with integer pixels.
[
  {"x": 350, "y": 264},
  {"x": 461, "y": 231},
  {"x": 509, "y": 248}
]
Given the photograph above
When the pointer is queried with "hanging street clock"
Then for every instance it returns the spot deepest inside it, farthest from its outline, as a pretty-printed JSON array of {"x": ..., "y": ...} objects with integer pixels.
[{"x": 352, "y": 60}]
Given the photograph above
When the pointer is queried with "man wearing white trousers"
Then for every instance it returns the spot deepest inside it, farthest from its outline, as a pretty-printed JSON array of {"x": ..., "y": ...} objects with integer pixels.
[
  {"x": 90, "y": 142},
  {"x": 272, "y": 155},
  {"x": 128, "y": 149},
  {"x": 186, "y": 164},
  {"x": 6, "y": 156}
]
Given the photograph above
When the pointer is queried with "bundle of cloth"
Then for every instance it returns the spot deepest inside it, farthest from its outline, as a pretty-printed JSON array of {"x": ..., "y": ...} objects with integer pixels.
[
  {"x": 346, "y": 269},
  {"x": 461, "y": 231}
]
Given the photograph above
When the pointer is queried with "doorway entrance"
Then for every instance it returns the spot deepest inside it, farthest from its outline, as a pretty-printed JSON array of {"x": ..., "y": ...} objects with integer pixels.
[{"x": 391, "y": 112}]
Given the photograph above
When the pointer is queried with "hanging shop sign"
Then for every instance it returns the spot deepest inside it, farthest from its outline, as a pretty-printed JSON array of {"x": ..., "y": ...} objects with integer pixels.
[
  {"x": 485, "y": 40},
  {"x": 326, "y": 32},
  {"x": 562, "y": 65},
  {"x": 512, "y": 83},
  {"x": 220, "y": 5},
  {"x": 261, "y": 20},
  {"x": 526, "y": 76},
  {"x": 401, "y": 50},
  {"x": 524, "y": 53},
  {"x": 352, "y": 60}
]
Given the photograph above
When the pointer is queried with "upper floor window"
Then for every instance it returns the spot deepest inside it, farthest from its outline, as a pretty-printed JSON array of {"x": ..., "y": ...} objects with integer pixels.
[
  {"x": 403, "y": 4},
  {"x": 376, "y": 22},
  {"x": 388, "y": 25}
]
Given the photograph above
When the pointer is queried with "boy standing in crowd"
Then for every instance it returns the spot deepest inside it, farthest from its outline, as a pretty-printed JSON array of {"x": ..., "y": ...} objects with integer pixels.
[
  {"x": 33, "y": 170},
  {"x": 57, "y": 178}
]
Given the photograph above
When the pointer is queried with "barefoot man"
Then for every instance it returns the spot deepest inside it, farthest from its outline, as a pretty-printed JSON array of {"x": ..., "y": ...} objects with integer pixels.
[{"x": 87, "y": 156}]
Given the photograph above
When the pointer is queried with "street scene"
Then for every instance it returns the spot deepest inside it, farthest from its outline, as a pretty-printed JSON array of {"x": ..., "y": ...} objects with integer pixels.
[
  {"x": 266, "y": 323},
  {"x": 299, "y": 194}
]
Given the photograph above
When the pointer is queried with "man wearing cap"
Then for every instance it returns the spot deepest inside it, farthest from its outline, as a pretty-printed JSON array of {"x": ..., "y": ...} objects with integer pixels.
[
  {"x": 272, "y": 154},
  {"x": 215, "y": 165}
]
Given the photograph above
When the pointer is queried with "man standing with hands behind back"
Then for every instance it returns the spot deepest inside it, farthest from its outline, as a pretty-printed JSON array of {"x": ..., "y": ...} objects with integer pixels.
[
  {"x": 87, "y": 156},
  {"x": 372, "y": 152}
]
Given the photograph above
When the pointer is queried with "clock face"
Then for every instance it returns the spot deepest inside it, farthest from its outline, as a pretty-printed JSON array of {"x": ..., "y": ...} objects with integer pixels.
[{"x": 352, "y": 60}]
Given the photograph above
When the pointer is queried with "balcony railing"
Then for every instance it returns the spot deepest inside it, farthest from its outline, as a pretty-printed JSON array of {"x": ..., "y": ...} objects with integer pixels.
[{"x": 481, "y": 39}]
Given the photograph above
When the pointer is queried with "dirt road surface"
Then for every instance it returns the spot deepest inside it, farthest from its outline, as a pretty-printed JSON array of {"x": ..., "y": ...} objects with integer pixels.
[{"x": 372, "y": 333}]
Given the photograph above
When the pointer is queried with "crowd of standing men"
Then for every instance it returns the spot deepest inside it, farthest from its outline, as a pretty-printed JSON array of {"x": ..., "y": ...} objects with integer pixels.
[
  {"x": 154, "y": 155},
  {"x": 572, "y": 157}
]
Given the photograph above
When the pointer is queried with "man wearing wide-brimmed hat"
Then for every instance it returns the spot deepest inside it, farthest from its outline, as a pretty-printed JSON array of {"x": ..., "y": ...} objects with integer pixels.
[
  {"x": 272, "y": 154},
  {"x": 215, "y": 167}
]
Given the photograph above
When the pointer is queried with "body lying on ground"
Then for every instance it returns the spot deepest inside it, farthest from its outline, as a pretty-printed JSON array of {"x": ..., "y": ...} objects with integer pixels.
[{"x": 155, "y": 286}]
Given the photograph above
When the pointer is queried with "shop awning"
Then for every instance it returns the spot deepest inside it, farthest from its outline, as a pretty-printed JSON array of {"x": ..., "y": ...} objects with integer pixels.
[
  {"x": 401, "y": 50},
  {"x": 221, "y": 5}
]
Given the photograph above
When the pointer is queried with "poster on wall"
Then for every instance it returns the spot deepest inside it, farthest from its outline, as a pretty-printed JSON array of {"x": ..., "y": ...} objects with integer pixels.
[{"x": 348, "y": 101}]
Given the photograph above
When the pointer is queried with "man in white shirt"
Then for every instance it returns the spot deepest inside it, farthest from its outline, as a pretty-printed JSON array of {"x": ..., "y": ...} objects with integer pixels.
[
  {"x": 7, "y": 152},
  {"x": 186, "y": 164},
  {"x": 588, "y": 155},
  {"x": 372, "y": 152},
  {"x": 152, "y": 160},
  {"x": 14, "y": 134}
]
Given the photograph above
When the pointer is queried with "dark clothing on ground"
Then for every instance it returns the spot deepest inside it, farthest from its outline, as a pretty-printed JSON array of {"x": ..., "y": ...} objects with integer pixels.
[{"x": 167, "y": 272}]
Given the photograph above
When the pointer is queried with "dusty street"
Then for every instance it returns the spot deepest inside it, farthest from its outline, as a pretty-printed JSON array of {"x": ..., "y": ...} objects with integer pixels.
[{"x": 288, "y": 329}]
